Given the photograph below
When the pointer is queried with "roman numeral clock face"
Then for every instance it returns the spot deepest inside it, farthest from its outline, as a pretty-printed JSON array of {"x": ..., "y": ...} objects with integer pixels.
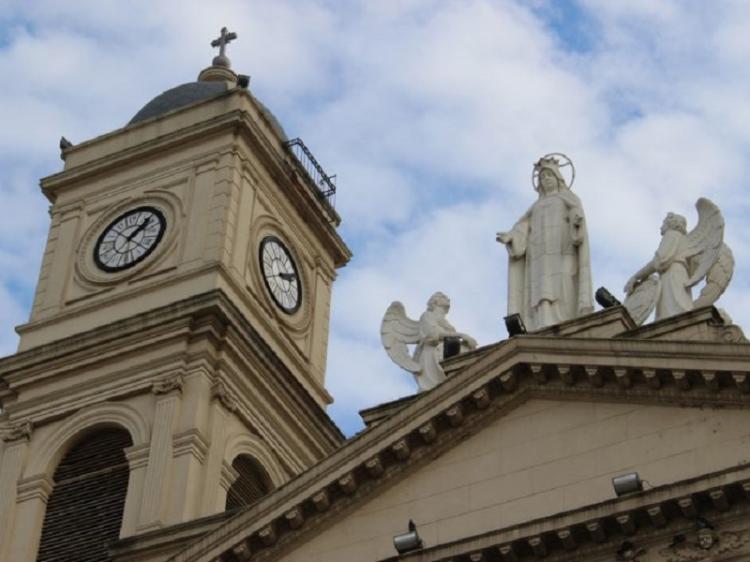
[
  {"x": 129, "y": 239},
  {"x": 280, "y": 274}
]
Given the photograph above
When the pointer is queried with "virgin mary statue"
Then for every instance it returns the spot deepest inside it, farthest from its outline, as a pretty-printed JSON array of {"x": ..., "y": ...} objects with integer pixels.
[{"x": 549, "y": 271}]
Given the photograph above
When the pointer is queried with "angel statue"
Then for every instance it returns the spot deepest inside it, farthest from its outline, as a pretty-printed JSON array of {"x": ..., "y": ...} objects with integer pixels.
[
  {"x": 681, "y": 261},
  {"x": 397, "y": 331},
  {"x": 549, "y": 271}
]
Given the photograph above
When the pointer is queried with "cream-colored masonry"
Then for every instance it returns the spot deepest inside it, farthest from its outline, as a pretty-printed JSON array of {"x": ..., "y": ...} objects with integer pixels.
[
  {"x": 543, "y": 458},
  {"x": 219, "y": 198},
  {"x": 180, "y": 461}
]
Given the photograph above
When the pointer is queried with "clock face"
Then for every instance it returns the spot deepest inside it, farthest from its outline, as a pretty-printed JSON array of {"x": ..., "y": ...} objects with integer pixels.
[
  {"x": 129, "y": 239},
  {"x": 280, "y": 274}
]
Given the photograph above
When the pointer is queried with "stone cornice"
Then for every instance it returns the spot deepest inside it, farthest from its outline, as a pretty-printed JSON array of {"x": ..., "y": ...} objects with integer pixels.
[
  {"x": 240, "y": 114},
  {"x": 652, "y": 372},
  {"x": 208, "y": 315},
  {"x": 654, "y": 514}
]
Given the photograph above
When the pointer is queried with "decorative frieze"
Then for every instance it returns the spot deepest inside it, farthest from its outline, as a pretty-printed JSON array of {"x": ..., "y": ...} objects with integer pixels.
[
  {"x": 401, "y": 449},
  {"x": 508, "y": 553},
  {"x": 374, "y": 467},
  {"x": 594, "y": 375},
  {"x": 706, "y": 545},
  {"x": 242, "y": 551},
  {"x": 538, "y": 373},
  {"x": 711, "y": 379},
  {"x": 321, "y": 500},
  {"x": 652, "y": 378},
  {"x": 566, "y": 374},
  {"x": 657, "y": 516},
  {"x": 455, "y": 415},
  {"x": 481, "y": 398},
  {"x": 538, "y": 547},
  {"x": 622, "y": 376},
  {"x": 596, "y": 531},
  {"x": 687, "y": 506},
  {"x": 348, "y": 483},
  {"x": 719, "y": 499},
  {"x": 267, "y": 535},
  {"x": 567, "y": 539},
  {"x": 427, "y": 432},
  {"x": 626, "y": 523},
  {"x": 294, "y": 517},
  {"x": 681, "y": 379}
]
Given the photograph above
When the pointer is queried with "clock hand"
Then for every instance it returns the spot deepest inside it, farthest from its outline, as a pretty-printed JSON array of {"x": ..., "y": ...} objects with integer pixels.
[
  {"x": 140, "y": 227},
  {"x": 286, "y": 276}
]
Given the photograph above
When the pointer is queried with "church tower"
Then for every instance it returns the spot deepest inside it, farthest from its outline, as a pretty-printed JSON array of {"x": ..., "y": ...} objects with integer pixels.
[{"x": 173, "y": 365}]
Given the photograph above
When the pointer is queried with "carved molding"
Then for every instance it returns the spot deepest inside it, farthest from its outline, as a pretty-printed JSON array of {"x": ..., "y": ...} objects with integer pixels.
[
  {"x": 16, "y": 431},
  {"x": 167, "y": 385},
  {"x": 220, "y": 392},
  {"x": 707, "y": 545}
]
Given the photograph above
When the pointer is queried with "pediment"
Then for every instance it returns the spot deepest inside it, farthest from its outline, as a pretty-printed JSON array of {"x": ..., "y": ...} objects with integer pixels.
[{"x": 485, "y": 392}]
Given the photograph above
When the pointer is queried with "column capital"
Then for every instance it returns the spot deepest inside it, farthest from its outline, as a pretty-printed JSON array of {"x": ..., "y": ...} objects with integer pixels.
[
  {"x": 16, "y": 431},
  {"x": 167, "y": 385}
]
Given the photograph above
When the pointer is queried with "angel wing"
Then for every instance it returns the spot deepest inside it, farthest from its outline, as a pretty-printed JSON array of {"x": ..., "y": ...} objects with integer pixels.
[
  {"x": 396, "y": 331},
  {"x": 642, "y": 301},
  {"x": 705, "y": 240},
  {"x": 717, "y": 278}
]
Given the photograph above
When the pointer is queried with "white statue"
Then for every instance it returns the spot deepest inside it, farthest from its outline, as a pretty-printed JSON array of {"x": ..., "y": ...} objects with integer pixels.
[
  {"x": 682, "y": 260},
  {"x": 397, "y": 331},
  {"x": 549, "y": 270}
]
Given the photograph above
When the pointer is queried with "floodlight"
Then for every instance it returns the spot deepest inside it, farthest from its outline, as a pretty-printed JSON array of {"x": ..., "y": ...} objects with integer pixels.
[
  {"x": 627, "y": 483},
  {"x": 451, "y": 346},
  {"x": 605, "y": 298},
  {"x": 408, "y": 541},
  {"x": 514, "y": 324}
]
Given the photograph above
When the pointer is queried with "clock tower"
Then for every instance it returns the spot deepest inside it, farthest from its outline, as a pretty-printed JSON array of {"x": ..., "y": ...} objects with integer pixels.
[{"x": 179, "y": 326}]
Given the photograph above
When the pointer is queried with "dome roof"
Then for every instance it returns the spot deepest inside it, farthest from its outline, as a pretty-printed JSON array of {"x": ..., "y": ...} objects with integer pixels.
[
  {"x": 181, "y": 96},
  {"x": 194, "y": 92}
]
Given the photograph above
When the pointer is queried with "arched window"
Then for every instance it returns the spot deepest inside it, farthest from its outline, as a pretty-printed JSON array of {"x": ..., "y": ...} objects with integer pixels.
[
  {"x": 251, "y": 485},
  {"x": 84, "y": 510}
]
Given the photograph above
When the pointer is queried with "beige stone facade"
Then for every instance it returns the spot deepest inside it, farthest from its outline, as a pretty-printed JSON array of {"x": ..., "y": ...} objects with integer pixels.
[{"x": 510, "y": 459}]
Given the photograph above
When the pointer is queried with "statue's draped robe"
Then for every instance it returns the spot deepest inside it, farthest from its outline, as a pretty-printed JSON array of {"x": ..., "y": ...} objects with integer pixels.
[
  {"x": 549, "y": 273},
  {"x": 671, "y": 263},
  {"x": 433, "y": 327}
]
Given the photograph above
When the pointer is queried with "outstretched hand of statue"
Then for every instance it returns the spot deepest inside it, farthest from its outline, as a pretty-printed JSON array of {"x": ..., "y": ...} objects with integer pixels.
[
  {"x": 504, "y": 237},
  {"x": 630, "y": 286}
]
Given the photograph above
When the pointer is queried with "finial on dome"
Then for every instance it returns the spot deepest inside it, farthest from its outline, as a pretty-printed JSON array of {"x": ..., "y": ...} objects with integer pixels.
[
  {"x": 226, "y": 36},
  {"x": 220, "y": 66}
]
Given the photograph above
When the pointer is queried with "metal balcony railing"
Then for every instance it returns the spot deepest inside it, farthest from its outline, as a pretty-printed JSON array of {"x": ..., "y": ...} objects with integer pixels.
[{"x": 325, "y": 186}]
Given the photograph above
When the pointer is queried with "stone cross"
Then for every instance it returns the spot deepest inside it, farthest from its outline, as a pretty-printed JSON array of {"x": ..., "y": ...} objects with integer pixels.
[{"x": 224, "y": 38}]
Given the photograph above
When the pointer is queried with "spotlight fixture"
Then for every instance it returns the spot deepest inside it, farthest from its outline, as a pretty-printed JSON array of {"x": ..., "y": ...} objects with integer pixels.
[
  {"x": 514, "y": 324},
  {"x": 605, "y": 298},
  {"x": 627, "y": 483},
  {"x": 408, "y": 541},
  {"x": 243, "y": 80},
  {"x": 451, "y": 346}
]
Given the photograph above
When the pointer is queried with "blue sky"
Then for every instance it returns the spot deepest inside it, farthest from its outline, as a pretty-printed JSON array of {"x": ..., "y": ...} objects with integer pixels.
[{"x": 431, "y": 113}]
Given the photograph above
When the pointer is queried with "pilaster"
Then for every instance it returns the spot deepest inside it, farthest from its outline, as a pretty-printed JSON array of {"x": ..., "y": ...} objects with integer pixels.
[
  {"x": 137, "y": 464},
  {"x": 16, "y": 438},
  {"x": 156, "y": 485},
  {"x": 220, "y": 403}
]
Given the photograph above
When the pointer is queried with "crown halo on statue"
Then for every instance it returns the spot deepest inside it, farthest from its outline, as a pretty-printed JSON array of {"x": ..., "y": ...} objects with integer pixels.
[{"x": 553, "y": 162}]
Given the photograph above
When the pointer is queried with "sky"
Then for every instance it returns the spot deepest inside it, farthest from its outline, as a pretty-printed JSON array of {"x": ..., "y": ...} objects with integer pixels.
[{"x": 431, "y": 114}]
